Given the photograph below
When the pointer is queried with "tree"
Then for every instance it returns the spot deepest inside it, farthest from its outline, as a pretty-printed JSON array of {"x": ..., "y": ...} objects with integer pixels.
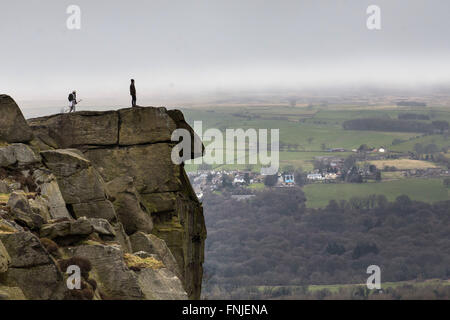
[
  {"x": 247, "y": 178},
  {"x": 310, "y": 140},
  {"x": 323, "y": 146},
  {"x": 378, "y": 175},
  {"x": 300, "y": 177},
  {"x": 363, "y": 147},
  {"x": 288, "y": 169},
  {"x": 447, "y": 182},
  {"x": 227, "y": 182},
  {"x": 335, "y": 248},
  {"x": 271, "y": 180},
  {"x": 419, "y": 149},
  {"x": 382, "y": 201},
  {"x": 431, "y": 148},
  {"x": 349, "y": 162},
  {"x": 441, "y": 125},
  {"x": 363, "y": 248}
]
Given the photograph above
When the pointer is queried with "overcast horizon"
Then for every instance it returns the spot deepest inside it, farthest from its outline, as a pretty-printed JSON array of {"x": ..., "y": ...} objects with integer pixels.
[{"x": 179, "y": 49}]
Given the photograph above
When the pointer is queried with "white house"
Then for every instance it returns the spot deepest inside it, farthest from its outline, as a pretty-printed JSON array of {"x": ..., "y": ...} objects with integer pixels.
[
  {"x": 315, "y": 176},
  {"x": 330, "y": 176},
  {"x": 238, "y": 180}
]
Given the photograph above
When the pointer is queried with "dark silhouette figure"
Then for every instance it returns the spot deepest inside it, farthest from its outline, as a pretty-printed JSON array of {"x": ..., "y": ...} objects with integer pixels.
[
  {"x": 133, "y": 93},
  {"x": 73, "y": 101}
]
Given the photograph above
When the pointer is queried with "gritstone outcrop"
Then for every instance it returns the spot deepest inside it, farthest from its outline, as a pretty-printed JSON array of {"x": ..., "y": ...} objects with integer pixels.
[{"x": 98, "y": 188}]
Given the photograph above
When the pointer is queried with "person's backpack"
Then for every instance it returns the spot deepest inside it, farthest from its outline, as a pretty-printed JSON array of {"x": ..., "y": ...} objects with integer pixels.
[{"x": 70, "y": 97}]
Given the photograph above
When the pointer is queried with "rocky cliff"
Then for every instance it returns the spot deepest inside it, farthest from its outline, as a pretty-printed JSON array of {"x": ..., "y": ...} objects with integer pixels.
[{"x": 99, "y": 190}]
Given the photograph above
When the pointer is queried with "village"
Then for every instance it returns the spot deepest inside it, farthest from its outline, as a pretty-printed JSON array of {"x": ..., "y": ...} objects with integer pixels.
[{"x": 362, "y": 165}]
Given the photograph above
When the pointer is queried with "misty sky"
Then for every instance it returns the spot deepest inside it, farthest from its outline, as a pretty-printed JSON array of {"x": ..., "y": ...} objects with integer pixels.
[{"x": 190, "y": 46}]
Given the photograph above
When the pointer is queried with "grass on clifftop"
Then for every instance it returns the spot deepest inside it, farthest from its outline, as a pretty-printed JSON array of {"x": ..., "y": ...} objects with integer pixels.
[{"x": 133, "y": 261}]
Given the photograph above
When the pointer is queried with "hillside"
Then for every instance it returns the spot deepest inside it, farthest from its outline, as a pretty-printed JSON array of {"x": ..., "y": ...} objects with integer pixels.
[{"x": 291, "y": 245}]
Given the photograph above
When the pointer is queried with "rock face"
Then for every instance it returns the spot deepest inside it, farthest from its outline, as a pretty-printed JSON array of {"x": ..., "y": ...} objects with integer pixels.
[
  {"x": 22, "y": 213},
  {"x": 129, "y": 206},
  {"x": 13, "y": 127},
  {"x": 17, "y": 154},
  {"x": 5, "y": 260},
  {"x": 97, "y": 190},
  {"x": 32, "y": 268},
  {"x": 131, "y": 150},
  {"x": 49, "y": 188},
  {"x": 151, "y": 244},
  {"x": 82, "y": 188}
]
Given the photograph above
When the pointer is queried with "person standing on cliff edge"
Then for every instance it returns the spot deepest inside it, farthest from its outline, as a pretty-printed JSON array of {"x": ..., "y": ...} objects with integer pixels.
[
  {"x": 133, "y": 93},
  {"x": 73, "y": 101}
]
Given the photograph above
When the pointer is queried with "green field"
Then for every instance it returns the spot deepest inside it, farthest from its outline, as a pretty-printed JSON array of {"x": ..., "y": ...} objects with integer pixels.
[
  {"x": 439, "y": 140},
  {"x": 428, "y": 190},
  {"x": 334, "y": 288},
  {"x": 310, "y": 132}
]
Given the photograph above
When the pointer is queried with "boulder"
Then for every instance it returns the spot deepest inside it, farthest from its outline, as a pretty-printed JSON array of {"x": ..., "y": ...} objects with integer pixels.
[
  {"x": 17, "y": 154},
  {"x": 114, "y": 278},
  {"x": 22, "y": 154},
  {"x": 32, "y": 269},
  {"x": 65, "y": 162},
  {"x": 128, "y": 205},
  {"x": 81, "y": 185},
  {"x": 7, "y": 226},
  {"x": 77, "y": 129},
  {"x": 18, "y": 201},
  {"x": 161, "y": 284},
  {"x": 13, "y": 127},
  {"x": 7, "y": 157},
  {"x": 41, "y": 282},
  {"x": 5, "y": 260},
  {"x": 25, "y": 249},
  {"x": 156, "y": 281},
  {"x": 4, "y": 187},
  {"x": 103, "y": 209},
  {"x": 150, "y": 166},
  {"x": 160, "y": 202},
  {"x": 102, "y": 227},
  {"x": 55, "y": 230},
  {"x": 49, "y": 188},
  {"x": 122, "y": 238},
  {"x": 22, "y": 212},
  {"x": 145, "y": 126},
  {"x": 154, "y": 245},
  {"x": 11, "y": 293},
  {"x": 39, "y": 205},
  {"x": 116, "y": 281},
  {"x": 81, "y": 227}
]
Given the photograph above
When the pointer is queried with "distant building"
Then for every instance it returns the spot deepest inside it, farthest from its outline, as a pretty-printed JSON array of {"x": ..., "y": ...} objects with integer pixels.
[
  {"x": 238, "y": 180},
  {"x": 315, "y": 176},
  {"x": 331, "y": 176}
]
